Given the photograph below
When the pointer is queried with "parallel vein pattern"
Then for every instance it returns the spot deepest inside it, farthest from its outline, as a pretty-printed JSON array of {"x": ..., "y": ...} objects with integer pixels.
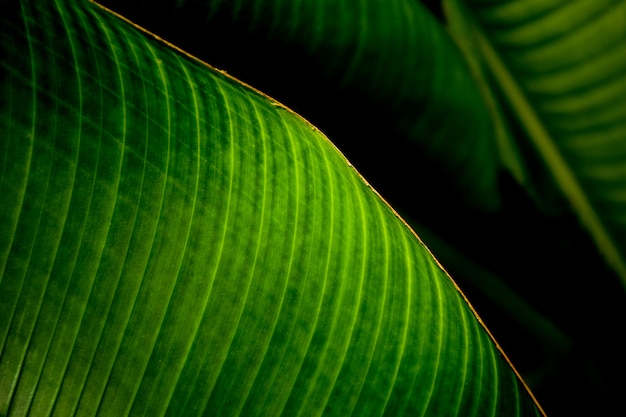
[{"x": 174, "y": 243}]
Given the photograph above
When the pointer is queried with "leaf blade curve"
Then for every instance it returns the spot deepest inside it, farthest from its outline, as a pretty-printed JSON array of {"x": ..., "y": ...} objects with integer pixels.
[
  {"x": 182, "y": 238},
  {"x": 391, "y": 63}
]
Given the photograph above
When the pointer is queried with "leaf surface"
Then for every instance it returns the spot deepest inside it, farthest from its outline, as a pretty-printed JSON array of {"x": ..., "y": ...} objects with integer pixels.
[{"x": 176, "y": 243}]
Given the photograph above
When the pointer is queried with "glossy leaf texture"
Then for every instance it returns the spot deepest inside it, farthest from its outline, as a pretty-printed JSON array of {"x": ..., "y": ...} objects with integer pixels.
[
  {"x": 561, "y": 66},
  {"x": 176, "y": 243},
  {"x": 388, "y": 67}
]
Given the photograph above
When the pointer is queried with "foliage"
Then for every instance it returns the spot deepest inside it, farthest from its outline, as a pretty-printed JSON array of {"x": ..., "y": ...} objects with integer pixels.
[{"x": 176, "y": 241}]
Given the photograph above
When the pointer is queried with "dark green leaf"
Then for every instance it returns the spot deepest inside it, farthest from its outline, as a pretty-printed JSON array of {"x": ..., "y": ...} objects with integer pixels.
[{"x": 175, "y": 243}]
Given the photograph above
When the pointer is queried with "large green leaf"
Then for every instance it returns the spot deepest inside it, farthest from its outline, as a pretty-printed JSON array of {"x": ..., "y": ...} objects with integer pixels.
[
  {"x": 388, "y": 67},
  {"x": 561, "y": 66},
  {"x": 174, "y": 242}
]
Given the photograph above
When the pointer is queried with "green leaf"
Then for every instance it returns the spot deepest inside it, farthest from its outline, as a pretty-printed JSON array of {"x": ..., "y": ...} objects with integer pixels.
[
  {"x": 175, "y": 243},
  {"x": 561, "y": 66},
  {"x": 388, "y": 67}
]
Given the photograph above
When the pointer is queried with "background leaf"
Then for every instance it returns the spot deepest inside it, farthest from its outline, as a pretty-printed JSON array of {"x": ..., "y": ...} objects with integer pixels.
[
  {"x": 175, "y": 242},
  {"x": 560, "y": 65},
  {"x": 545, "y": 63}
]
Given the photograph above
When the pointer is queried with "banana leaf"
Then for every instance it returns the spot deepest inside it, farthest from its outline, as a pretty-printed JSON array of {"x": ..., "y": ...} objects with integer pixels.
[{"x": 176, "y": 243}]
